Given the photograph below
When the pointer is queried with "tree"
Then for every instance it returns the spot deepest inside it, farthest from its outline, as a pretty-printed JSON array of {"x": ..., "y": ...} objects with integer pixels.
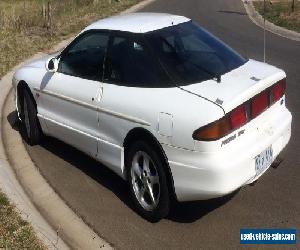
[{"x": 293, "y": 5}]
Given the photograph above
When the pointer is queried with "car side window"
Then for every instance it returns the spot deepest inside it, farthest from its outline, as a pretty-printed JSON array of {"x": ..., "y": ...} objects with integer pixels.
[
  {"x": 129, "y": 63},
  {"x": 85, "y": 57}
]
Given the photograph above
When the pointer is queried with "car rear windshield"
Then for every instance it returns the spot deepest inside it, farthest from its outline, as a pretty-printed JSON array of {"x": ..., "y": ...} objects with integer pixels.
[{"x": 190, "y": 54}]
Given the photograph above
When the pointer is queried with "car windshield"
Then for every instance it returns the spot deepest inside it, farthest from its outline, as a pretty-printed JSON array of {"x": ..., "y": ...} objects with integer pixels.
[{"x": 190, "y": 54}]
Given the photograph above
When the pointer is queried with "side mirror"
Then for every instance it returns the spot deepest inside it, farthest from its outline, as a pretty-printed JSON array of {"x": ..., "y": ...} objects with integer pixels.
[{"x": 52, "y": 65}]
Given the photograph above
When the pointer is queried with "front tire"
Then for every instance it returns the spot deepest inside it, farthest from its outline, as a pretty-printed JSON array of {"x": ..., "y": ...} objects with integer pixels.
[
  {"x": 147, "y": 181},
  {"x": 30, "y": 123}
]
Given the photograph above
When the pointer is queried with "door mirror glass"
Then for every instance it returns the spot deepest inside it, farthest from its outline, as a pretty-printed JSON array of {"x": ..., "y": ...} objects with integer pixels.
[{"x": 52, "y": 64}]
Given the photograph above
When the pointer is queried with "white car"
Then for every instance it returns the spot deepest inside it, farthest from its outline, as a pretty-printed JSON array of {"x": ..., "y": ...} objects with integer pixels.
[{"x": 162, "y": 103}]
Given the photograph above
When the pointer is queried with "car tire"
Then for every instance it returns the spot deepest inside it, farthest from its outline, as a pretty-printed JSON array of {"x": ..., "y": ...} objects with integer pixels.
[
  {"x": 147, "y": 181},
  {"x": 30, "y": 128}
]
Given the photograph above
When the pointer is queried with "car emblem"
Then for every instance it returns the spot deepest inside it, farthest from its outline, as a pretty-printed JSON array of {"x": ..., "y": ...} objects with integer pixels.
[
  {"x": 255, "y": 78},
  {"x": 218, "y": 101}
]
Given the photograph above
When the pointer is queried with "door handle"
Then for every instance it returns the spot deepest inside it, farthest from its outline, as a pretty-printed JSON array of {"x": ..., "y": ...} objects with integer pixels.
[{"x": 99, "y": 94}]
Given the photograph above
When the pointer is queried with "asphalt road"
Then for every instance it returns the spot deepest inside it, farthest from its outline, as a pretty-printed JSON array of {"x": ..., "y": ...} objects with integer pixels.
[{"x": 101, "y": 198}]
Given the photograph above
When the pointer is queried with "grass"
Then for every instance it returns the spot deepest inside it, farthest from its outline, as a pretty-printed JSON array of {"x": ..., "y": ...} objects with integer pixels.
[
  {"x": 23, "y": 32},
  {"x": 15, "y": 233},
  {"x": 280, "y": 13},
  {"x": 23, "y": 29}
]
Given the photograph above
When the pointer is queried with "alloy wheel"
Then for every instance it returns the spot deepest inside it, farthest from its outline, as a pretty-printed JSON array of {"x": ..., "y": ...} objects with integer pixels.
[{"x": 145, "y": 181}]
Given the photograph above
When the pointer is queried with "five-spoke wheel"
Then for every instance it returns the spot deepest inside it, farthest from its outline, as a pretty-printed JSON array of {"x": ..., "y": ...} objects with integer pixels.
[{"x": 147, "y": 181}]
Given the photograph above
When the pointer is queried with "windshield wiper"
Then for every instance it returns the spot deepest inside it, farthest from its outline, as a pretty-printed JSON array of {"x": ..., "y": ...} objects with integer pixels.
[{"x": 216, "y": 77}]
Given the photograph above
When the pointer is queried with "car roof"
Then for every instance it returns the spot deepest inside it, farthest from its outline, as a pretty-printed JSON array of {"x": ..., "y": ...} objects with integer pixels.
[{"x": 138, "y": 22}]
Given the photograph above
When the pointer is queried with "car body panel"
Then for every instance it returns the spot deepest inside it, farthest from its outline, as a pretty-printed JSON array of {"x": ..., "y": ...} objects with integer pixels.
[{"x": 69, "y": 111}]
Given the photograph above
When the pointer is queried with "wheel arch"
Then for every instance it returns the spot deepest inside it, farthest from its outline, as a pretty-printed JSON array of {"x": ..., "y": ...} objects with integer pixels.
[{"x": 145, "y": 135}]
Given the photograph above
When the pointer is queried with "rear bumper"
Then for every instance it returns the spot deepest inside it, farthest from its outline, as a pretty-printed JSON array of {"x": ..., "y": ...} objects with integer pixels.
[{"x": 204, "y": 175}]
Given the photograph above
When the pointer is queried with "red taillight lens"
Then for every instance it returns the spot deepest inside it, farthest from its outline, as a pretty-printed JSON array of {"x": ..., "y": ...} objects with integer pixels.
[
  {"x": 259, "y": 103},
  {"x": 238, "y": 117},
  {"x": 278, "y": 90}
]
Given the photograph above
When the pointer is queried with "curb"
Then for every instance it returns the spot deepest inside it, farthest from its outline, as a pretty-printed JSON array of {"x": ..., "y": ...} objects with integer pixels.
[
  {"x": 55, "y": 224},
  {"x": 12, "y": 188},
  {"x": 259, "y": 21},
  {"x": 138, "y": 6}
]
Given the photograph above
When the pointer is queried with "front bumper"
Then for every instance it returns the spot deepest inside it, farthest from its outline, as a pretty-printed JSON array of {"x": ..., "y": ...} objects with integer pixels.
[{"x": 204, "y": 175}]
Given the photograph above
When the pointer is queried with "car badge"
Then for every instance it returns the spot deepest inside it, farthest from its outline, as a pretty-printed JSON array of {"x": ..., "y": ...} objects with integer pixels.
[
  {"x": 255, "y": 78},
  {"x": 218, "y": 101}
]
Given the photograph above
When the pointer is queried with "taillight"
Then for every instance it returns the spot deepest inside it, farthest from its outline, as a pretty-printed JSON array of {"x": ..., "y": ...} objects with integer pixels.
[
  {"x": 238, "y": 117},
  {"x": 278, "y": 90},
  {"x": 259, "y": 103},
  {"x": 213, "y": 131},
  {"x": 218, "y": 129}
]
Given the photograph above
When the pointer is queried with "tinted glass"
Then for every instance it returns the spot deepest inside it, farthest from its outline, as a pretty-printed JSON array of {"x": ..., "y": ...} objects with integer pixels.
[
  {"x": 190, "y": 54},
  {"x": 129, "y": 63},
  {"x": 85, "y": 57}
]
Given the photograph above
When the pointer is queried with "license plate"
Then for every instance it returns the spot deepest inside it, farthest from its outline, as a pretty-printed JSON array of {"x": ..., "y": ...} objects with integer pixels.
[{"x": 263, "y": 160}]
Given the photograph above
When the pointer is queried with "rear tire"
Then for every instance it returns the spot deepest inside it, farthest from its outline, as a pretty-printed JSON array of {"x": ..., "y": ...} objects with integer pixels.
[
  {"x": 30, "y": 124},
  {"x": 147, "y": 181}
]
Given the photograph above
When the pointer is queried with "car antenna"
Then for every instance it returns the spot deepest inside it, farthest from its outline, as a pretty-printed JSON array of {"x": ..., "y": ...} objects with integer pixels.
[{"x": 265, "y": 28}]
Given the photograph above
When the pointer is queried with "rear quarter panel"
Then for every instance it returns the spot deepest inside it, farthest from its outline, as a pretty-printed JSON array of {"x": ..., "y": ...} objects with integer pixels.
[{"x": 186, "y": 112}]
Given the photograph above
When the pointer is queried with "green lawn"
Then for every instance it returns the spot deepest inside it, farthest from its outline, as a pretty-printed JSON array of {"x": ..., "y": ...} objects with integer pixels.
[
  {"x": 15, "y": 233},
  {"x": 280, "y": 13}
]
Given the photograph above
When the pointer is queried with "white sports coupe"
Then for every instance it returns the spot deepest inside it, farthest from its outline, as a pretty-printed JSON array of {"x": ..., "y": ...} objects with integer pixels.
[{"x": 162, "y": 103}]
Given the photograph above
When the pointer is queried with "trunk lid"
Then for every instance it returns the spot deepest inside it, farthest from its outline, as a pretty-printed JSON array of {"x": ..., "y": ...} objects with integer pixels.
[{"x": 239, "y": 85}]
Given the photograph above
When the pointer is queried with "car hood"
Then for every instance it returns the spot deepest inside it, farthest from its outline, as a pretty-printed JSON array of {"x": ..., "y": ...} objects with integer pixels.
[{"x": 238, "y": 85}]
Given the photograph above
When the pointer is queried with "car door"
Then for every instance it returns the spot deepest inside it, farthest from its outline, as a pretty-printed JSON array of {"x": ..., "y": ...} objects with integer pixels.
[
  {"x": 69, "y": 97},
  {"x": 128, "y": 91}
]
